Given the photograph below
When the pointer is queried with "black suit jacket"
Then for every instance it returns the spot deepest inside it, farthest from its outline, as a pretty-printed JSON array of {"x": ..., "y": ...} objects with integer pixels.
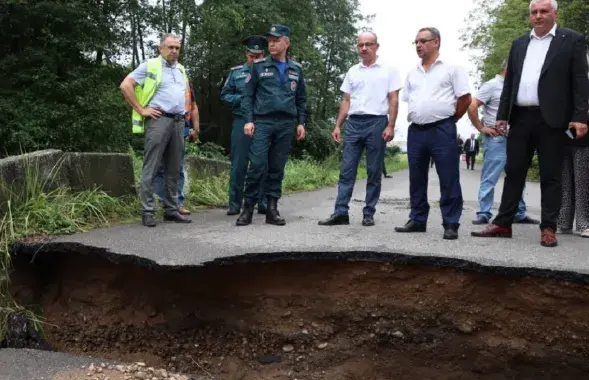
[
  {"x": 563, "y": 89},
  {"x": 476, "y": 146}
]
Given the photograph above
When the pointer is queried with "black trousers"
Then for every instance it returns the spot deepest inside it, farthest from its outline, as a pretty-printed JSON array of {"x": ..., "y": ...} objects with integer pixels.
[
  {"x": 470, "y": 159},
  {"x": 528, "y": 133}
]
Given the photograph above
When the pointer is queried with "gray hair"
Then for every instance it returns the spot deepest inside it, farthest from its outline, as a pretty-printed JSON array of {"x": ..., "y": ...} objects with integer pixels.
[
  {"x": 434, "y": 32},
  {"x": 553, "y": 3},
  {"x": 370, "y": 32},
  {"x": 168, "y": 35}
]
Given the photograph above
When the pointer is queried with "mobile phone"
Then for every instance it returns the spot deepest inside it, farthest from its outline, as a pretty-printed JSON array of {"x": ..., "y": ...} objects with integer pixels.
[{"x": 571, "y": 133}]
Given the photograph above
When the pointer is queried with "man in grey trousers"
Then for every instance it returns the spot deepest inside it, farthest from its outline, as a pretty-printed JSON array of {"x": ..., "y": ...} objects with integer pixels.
[{"x": 160, "y": 103}]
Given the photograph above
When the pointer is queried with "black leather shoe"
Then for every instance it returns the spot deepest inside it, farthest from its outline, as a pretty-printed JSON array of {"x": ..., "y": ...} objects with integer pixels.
[
  {"x": 272, "y": 214},
  {"x": 246, "y": 215},
  {"x": 411, "y": 226},
  {"x": 232, "y": 212},
  {"x": 335, "y": 220},
  {"x": 176, "y": 217},
  {"x": 368, "y": 221},
  {"x": 451, "y": 231},
  {"x": 148, "y": 220}
]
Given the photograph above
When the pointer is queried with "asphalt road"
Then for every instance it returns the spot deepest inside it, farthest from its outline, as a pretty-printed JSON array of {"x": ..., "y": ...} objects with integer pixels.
[{"x": 213, "y": 235}]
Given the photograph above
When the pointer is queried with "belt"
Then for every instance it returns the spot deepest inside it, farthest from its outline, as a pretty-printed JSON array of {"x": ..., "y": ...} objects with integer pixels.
[
  {"x": 364, "y": 117},
  {"x": 175, "y": 116},
  {"x": 432, "y": 124},
  {"x": 527, "y": 108}
]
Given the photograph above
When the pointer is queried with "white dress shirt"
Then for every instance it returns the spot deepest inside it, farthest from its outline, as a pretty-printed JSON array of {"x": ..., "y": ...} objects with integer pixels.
[
  {"x": 432, "y": 95},
  {"x": 369, "y": 86},
  {"x": 527, "y": 94}
]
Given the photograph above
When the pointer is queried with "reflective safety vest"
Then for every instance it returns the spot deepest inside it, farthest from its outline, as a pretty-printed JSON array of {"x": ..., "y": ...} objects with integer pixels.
[{"x": 150, "y": 84}]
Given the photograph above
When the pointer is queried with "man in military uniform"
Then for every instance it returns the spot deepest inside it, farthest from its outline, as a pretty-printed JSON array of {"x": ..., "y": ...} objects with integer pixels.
[
  {"x": 275, "y": 98},
  {"x": 232, "y": 93}
]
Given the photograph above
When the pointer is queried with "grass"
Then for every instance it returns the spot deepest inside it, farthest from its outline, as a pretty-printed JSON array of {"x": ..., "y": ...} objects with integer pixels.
[
  {"x": 36, "y": 212},
  {"x": 300, "y": 175}
]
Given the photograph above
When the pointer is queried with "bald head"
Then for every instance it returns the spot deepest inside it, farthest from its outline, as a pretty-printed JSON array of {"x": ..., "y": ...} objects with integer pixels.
[
  {"x": 367, "y": 47},
  {"x": 369, "y": 35}
]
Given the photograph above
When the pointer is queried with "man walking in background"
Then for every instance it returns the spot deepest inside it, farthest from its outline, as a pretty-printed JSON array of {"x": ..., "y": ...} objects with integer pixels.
[
  {"x": 471, "y": 149},
  {"x": 232, "y": 93},
  {"x": 156, "y": 90},
  {"x": 371, "y": 103},
  {"x": 275, "y": 98},
  {"x": 438, "y": 95},
  {"x": 546, "y": 92},
  {"x": 494, "y": 154}
]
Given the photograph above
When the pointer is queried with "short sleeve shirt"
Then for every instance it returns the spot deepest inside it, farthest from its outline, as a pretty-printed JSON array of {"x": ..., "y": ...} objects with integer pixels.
[
  {"x": 490, "y": 95},
  {"x": 432, "y": 95},
  {"x": 369, "y": 87}
]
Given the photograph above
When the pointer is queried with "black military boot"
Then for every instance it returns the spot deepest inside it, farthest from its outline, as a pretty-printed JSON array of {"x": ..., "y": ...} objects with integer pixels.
[
  {"x": 272, "y": 214},
  {"x": 246, "y": 215}
]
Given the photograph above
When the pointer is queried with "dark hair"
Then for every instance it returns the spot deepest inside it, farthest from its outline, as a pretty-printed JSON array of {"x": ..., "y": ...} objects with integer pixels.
[{"x": 434, "y": 32}]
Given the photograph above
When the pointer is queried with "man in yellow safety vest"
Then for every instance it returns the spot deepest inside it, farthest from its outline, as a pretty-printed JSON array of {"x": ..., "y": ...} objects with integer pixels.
[{"x": 158, "y": 91}]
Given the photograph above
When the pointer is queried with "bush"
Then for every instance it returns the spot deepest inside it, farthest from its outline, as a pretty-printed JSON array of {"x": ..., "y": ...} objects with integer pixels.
[{"x": 534, "y": 170}]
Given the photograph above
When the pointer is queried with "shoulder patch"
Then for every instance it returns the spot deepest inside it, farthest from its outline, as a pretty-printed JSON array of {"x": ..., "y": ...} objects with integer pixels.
[
  {"x": 260, "y": 60},
  {"x": 236, "y": 67}
]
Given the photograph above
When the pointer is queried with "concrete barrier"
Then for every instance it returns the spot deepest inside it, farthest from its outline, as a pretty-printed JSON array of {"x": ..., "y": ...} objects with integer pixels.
[
  {"x": 109, "y": 172},
  {"x": 50, "y": 169},
  {"x": 19, "y": 174},
  {"x": 199, "y": 167}
]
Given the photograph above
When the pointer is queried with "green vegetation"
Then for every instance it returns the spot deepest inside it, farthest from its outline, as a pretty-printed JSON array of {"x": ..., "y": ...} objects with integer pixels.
[
  {"x": 66, "y": 59},
  {"x": 36, "y": 212}
]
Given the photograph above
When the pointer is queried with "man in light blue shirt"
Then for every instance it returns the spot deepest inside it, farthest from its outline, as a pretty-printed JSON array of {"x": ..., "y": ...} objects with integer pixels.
[
  {"x": 164, "y": 126},
  {"x": 495, "y": 148}
]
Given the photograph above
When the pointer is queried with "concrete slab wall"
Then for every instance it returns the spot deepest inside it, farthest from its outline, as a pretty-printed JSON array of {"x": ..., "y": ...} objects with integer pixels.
[
  {"x": 18, "y": 174},
  {"x": 109, "y": 172}
]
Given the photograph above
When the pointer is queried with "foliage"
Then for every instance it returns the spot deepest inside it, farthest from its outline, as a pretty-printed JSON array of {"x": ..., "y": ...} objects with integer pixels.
[
  {"x": 66, "y": 59},
  {"x": 300, "y": 175},
  {"x": 38, "y": 212},
  {"x": 492, "y": 26}
]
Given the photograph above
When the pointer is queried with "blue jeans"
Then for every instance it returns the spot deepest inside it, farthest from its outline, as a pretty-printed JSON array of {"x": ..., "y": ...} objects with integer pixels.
[
  {"x": 494, "y": 159},
  {"x": 159, "y": 181},
  {"x": 361, "y": 132},
  {"x": 437, "y": 140}
]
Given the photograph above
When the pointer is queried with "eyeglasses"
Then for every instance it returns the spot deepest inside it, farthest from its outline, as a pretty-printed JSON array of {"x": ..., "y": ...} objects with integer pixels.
[
  {"x": 367, "y": 44},
  {"x": 422, "y": 41}
]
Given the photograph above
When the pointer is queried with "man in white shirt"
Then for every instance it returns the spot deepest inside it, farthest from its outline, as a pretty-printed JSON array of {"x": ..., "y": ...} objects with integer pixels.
[
  {"x": 371, "y": 103},
  {"x": 438, "y": 95}
]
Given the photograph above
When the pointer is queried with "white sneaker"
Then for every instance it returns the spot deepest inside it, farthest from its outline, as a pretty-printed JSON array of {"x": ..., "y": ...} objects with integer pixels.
[{"x": 585, "y": 233}]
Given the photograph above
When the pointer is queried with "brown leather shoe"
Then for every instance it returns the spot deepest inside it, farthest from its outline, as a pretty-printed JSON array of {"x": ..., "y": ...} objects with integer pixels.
[
  {"x": 548, "y": 238},
  {"x": 183, "y": 211},
  {"x": 493, "y": 231}
]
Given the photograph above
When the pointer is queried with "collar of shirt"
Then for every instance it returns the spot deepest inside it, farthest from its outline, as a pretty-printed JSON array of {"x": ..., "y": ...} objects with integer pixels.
[
  {"x": 376, "y": 63},
  {"x": 439, "y": 60},
  {"x": 167, "y": 64},
  {"x": 551, "y": 33},
  {"x": 499, "y": 78}
]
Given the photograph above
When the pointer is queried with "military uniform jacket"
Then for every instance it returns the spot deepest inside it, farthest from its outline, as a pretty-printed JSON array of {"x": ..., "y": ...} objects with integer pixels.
[
  {"x": 234, "y": 88},
  {"x": 266, "y": 95}
]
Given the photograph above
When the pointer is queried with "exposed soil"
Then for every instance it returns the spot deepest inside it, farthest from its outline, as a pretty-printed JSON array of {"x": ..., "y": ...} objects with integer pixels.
[{"x": 311, "y": 319}]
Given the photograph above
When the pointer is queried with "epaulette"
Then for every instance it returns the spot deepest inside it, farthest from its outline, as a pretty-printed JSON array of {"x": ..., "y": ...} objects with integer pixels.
[
  {"x": 260, "y": 60},
  {"x": 236, "y": 67},
  {"x": 297, "y": 64}
]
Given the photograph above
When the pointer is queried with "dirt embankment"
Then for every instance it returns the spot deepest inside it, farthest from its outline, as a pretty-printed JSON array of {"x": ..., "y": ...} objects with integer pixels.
[{"x": 312, "y": 319}]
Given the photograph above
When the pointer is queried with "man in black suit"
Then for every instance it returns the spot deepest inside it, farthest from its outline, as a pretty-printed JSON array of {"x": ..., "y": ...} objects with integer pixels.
[
  {"x": 471, "y": 148},
  {"x": 546, "y": 91}
]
